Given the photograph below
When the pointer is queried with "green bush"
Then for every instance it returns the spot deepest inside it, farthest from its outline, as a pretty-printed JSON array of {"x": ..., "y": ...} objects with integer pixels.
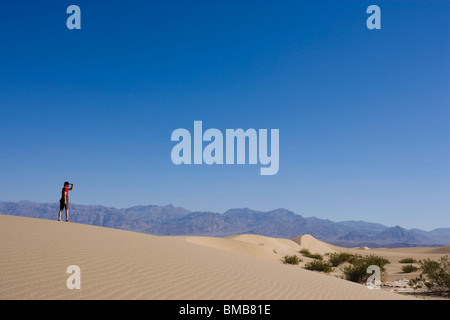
[
  {"x": 319, "y": 265},
  {"x": 408, "y": 260},
  {"x": 408, "y": 268},
  {"x": 377, "y": 261},
  {"x": 435, "y": 275},
  {"x": 308, "y": 254},
  {"x": 357, "y": 271},
  {"x": 338, "y": 258},
  {"x": 291, "y": 260}
]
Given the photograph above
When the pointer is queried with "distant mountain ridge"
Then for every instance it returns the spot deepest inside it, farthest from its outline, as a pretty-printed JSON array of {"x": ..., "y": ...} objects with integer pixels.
[{"x": 281, "y": 223}]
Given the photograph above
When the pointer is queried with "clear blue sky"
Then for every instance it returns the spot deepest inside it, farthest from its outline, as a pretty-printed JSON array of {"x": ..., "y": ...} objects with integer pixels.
[{"x": 363, "y": 114}]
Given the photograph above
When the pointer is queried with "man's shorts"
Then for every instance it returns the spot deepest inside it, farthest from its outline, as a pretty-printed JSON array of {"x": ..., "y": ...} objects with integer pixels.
[{"x": 63, "y": 205}]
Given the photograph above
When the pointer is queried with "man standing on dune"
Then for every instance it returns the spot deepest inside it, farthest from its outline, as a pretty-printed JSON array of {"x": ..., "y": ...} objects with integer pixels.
[{"x": 64, "y": 201}]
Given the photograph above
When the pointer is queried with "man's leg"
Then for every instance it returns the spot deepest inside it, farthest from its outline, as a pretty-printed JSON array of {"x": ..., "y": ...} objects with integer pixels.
[
  {"x": 66, "y": 206},
  {"x": 61, "y": 207}
]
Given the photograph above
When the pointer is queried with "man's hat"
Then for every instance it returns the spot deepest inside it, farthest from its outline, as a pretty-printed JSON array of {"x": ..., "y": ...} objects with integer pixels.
[{"x": 66, "y": 183}]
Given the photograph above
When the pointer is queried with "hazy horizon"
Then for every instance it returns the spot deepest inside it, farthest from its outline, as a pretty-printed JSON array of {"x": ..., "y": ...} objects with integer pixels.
[{"x": 235, "y": 208}]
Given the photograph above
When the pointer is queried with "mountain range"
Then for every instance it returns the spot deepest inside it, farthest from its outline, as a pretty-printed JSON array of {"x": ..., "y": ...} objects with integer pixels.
[{"x": 280, "y": 223}]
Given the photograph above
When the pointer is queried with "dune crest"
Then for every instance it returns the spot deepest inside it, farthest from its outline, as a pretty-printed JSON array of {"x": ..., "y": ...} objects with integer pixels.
[{"x": 307, "y": 241}]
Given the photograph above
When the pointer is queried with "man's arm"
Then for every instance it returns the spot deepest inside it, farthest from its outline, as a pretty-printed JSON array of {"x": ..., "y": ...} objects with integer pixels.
[{"x": 71, "y": 187}]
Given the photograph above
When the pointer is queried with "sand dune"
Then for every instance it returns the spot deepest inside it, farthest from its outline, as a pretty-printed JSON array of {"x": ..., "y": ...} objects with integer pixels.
[
  {"x": 250, "y": 244},
  {"x": 315, "y": 246},
  {"x": 441, "y": 250},
  {"x": 119, "y": 264}
]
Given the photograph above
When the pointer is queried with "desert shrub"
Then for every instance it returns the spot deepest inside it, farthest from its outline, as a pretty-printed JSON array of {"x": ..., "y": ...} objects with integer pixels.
[
  {"x": 408, "y": 268},
  {"x": 377, "y": 261},
  {"x": 291, "y": 260},
  {"x": 357, "y": 271},
  {"x": 306, "y": 253},
  {"x": 408, "y": 260},
  {"x": 319, "y": 265},
  {"x": 338, "y": 258},
  {"x": 435, "y": 275}
]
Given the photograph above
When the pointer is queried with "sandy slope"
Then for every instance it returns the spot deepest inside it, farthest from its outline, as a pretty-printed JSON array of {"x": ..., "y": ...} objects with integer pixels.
[{"x": 119, "y": 264}]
